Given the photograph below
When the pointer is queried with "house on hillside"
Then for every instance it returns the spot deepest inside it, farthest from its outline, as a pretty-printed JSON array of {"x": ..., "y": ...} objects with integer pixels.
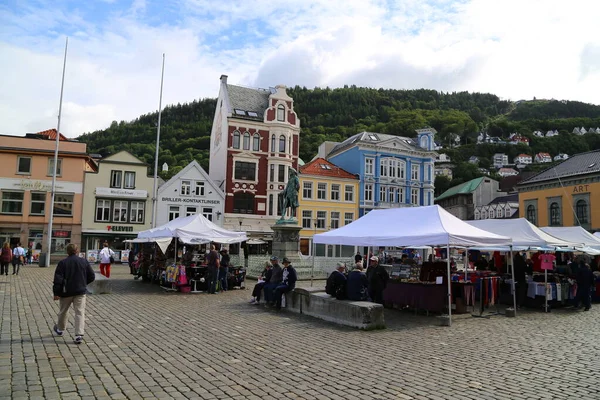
[
  {"x": 504, "y": 172},
  {"x": 484, "y": 171},
  {"x": 474, "y": 160},
  {"x": 552, "y": 133},
  {"x": 499, "y": 160},
  {"x": 518, "y": 139},
  {"x": 538, "y": 134},
  {"x": 522, "y": 159},
  {"x": 442, "y": 158},
  {"x": 462, "y": 199},
  {"x": 502, "y": 207},
  {"x": 543, "y": 158},
  {"x": 561, "y": 157},
  {"x": 444, "y": 170}
]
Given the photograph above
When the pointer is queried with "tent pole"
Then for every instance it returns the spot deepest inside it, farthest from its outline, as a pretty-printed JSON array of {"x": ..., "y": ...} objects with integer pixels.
[
  {"x": 176, "y": 240},
  {"x": 312, "y": 271},
  {"x": 466, "y": 262},
  {"x": 449, "y": 286},
  {"x": 514, "y": 290}
]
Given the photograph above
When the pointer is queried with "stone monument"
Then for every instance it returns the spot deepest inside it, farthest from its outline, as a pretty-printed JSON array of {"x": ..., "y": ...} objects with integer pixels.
[{"x": 286, "y": 232}]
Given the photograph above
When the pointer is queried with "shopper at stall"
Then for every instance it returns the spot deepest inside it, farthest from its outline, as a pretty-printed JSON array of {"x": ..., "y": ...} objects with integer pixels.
[
  {"x": 520, "y": 278},
  {"x": 264, "y": 278},
  {"x": 288, "y": 282},
  {"x": 276, "y": 279},
  {"x": 212, "y": 271},
  {"x": 585, "y": 282},
  {"x": 358, "y": 257},
  {"x": 378, "y": 278},
  {"x": 357, "y": 285},
  {"x": 106, "y": 259},
  {"x": 71, "y": 277},
  {"x": 336, "y": 282},
  {"x": 224, "y": 269},
  {"x": 5, "y": 258},
  {"x": 18, "y": 258}
]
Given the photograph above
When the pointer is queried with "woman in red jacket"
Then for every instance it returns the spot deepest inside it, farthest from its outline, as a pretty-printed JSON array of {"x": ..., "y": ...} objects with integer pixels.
[{"x": 5, "y": 258}]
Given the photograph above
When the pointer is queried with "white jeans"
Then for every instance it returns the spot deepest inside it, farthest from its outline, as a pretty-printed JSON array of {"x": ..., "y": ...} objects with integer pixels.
[{"x": 79, "y": 308}]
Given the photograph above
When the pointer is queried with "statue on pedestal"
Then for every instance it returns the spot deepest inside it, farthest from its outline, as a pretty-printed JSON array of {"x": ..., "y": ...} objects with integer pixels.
[{"x": 289, "y": 198}]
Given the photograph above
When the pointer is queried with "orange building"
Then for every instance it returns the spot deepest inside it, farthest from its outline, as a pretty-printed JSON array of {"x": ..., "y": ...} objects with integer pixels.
[{"x": 26, "y": 167}]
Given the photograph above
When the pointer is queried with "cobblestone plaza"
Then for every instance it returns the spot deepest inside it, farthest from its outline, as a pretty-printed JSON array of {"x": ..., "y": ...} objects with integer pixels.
[{"x": 143, "y": 343}]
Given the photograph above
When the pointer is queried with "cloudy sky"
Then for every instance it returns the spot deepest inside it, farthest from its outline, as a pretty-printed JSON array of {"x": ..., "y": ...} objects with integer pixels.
[{"x": 516, "y": 49}]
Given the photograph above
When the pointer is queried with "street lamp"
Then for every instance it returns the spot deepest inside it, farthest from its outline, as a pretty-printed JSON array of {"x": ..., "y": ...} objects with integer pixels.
[
  {"x": 314, "y": 249},
  {"x": 240, "y": 220}
]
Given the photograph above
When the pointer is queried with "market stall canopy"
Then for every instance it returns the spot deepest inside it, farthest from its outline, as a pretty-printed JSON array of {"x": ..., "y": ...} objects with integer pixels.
[
  {"x": 574, "y": 234},
  {"x": 414, "y": 226},
  {"x": 597, "y": 234},
  {"x": 162, "y": 242},
  {"x": 194, "y": 229},
  {"x": 522, "y": 232}
]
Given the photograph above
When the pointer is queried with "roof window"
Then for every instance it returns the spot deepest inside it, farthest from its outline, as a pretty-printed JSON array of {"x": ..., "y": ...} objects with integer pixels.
[
  {"x": 252, "y": 114},
  {"x": 591, "y": 165},
  {"x": 240, "y": 112},
  {"x": 325, "y": 166},
  {"x": 373, "y": 137}
]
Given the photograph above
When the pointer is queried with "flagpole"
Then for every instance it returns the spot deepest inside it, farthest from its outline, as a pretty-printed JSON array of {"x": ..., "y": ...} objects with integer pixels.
[
  {"x": 55, "y": 166},
  {"x": 153, "y": 218}
]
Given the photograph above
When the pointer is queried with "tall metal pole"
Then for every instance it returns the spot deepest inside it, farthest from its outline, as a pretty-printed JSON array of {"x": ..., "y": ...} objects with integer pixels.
[
  {"x": 51, "y": 216},
  {"x": 153, "y": 217}
]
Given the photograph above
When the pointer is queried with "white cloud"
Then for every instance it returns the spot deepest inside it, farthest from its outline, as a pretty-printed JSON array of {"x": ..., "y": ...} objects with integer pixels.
[{"x": 516, "y": 49}]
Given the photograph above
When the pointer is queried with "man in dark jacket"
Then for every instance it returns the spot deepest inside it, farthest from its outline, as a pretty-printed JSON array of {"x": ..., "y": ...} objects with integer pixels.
[
  {"x": 378, "y": 278},
  {"x": 357, "y": 285},
  {"x": 585, "y": 281},
  {"x": 521, "y": 280},
  {"x": 224, "y": 269},
  {"x": 288, "y": 282},
  {"x": 212, "y": 272},
  {"x": 265, "y": 278},
  {"x": 337, "y": 281},
  {"x": 276, "y": 278},
  {"x": 71, "y": 278}
]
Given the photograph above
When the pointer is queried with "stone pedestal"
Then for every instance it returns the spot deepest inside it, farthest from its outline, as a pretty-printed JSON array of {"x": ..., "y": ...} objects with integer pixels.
[{"x": 286, "y": 241}]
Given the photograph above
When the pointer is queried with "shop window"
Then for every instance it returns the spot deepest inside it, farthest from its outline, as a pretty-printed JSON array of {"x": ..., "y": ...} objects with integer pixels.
[
  {"x": 321, "y": 219},
  {"x": 129, "y": 180},
  {"x": 23, "y": 165},
  {"x": 60, "y": 240},
  {"x": 243, "y": 203},
  {"x": 348, "y": 218},
  {"x": 282, "y": 144},
  {"x": 368, "y": 166},
  {"x": 35, "y": 239},
  {"x": 306, "y": 218},
  {"x": 349, "y": 193},
  {"x": 307, "y": 190},
  {"x": 63, "y": 204},
  {"x": 554, "y": 214},
  {"x": 199, "y": 189},
  {"x": 246, "y": 140},
  {"x": 322, "y": 191},
  {"x": 531, "y": 214},
  {"x": 207, "y": 213},
  {"x": 38, "y": 203},
  {"x": 50, "y": 171},
  {"x": 280, "y": 113},
  {"x": 245, "y": 171},
  {"x": 186, "y": 188},
  {"x": 236, "y": 139},
  {"x": 335, "y": 220},
  {"x": 281, "y": 173},
  {"x": 102, "y": 210},
  {"x": 335, "y": 192},
  {"x": 12, "y": 202},
  {"x": 115, "y": 179},
  {"x": 256, "y": 142},
  {"x": 120, "y": 211},
  {"x": 368, "y": 192},
  {"x": 189, "y": 211},
  {"x": 137, "y": 212},
  {"x": 581, "y": 210},
  {"x": 173, "y": 212}
]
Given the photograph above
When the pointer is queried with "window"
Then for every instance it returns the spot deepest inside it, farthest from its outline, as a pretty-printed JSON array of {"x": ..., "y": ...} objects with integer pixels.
[
  {"x": 531, "y": 214},
  {"x": 272, "y": 172},
  {"x": 63, "y": 204},
  {"x": 368, "y": 192},
  {"x": 245, "y": 170},
  {"x": 349, "y": 193},
  {"x": 59, "y": 241},
  {"x": 321, "y": 219},
  {"x": 384, "y": 167},
  {"x": 476, "y": 215},
  {"x": 307, "y": 190},
  {"x": 243, "y": 203},
  {"x": 499, "y": 213},
  {"x": 484, "y": 215},
  {"x": 335, "y": 192},
  {"x": 38, "y": 203},
  {"x": 186, "y": 188},
  {"x": 400, "y": 195},
  {"x": 199, "y": 189},
  {"x": 392, "y": 194},
  {"x": 306, "y": 218},
  {"x": 207, "y": 213},
  {"x": 173, "y": 212},
  {"x": 12, "y": 202},
  {"x": 281, "y": 173},
  {"x": 581, "y": 210},
  {"x": 414, "y": 172},
  {"x": 129, "y": 181},
  {"x": 51, "y": 167},
  {"x": 115, "y": 179},
  {"x": 335, "y": 220},
  {"x": 256, "y": 142},
  {"x": 554, "y": 214},
  {"x": 368, "y": 166},
  {"x": 280, "y": 113},
  {"x": 236, "y": 139},
  {"x": 23, "y": 165},
  {"x": 246, "y": 140},
  {"x": 137, "y": 212},
  {"x": 282, "y": 144},
  {"x": 322, "y": 191},
  {"x": 271, "y": 204},
  {"x": 348, "y": 218},
  {"x": 273, "y": 143},
  {"x": 120, "y": 211},
  {"x": 383, "y": 194},
  {"x": 414, "y": 196},
  {"x": 507, "y": 212},
  {"x": 102, "y": 210},
  {"x": 189, "y": 210}
]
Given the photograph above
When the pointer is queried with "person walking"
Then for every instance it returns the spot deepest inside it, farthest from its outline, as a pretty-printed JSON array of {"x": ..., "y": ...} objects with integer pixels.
[
  {"x": 585, "y": 282},
  {"x": 71, "y": 277},
  {"x": 106, "y": 259},
  {"x": 224, "y": 270},
  {"x": 18, "y": 258},
  {"x": 212, "y": 276},
  {"x": 5, "y": 258}
]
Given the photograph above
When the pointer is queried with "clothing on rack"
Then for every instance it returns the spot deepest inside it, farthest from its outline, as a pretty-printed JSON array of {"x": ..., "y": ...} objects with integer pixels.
[{"x": 172, "y": 273}]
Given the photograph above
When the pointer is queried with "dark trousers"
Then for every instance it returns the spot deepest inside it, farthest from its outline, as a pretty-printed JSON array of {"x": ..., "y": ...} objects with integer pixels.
[
  {"x": 211, "y": 278},
  {"x": 16, "y": 267},
  {"x": 584, "y": 296},
  {"x": 376, "y": 295},
  {"x": 257, "y": 291},
  {"x": 223, "y": 272},
  {"x": 521, "y": 289},
  {"x": 268, "y": 289},
  {"x": 4, "y": 268},
  {"x": 279, "y": 291}
]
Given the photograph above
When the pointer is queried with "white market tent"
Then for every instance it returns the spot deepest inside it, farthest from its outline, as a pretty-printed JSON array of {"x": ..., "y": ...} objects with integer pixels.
[
  {"x": 597, "y": 234},
  {"x": 410, "y": 227},
  {"x": 575, "y": 234}
]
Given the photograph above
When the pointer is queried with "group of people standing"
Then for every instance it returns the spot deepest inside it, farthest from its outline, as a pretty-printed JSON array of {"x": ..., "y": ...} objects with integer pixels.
[
  {"x": 275, "y": 281},
  {"x": 17, "y": 256},
  {"x": 357, "y": 285},
  {"x": 218, "y": 269}
]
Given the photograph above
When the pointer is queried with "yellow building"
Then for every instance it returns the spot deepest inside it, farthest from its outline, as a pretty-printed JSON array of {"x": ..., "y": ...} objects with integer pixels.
[
  {"x": 328, "y": 200},
  {"x": 565, "y": 195}
]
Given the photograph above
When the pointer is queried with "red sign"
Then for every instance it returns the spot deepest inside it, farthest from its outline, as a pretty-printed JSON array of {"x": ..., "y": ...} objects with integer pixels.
[{"x": 61, "y": 234}]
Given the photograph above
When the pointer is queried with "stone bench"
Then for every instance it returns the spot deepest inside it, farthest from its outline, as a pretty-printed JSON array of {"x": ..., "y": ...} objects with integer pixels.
[{"x": 101, "y": 285}]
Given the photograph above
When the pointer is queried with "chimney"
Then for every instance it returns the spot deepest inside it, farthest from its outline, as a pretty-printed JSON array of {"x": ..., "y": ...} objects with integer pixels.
[{"x": 224, "y": 79}]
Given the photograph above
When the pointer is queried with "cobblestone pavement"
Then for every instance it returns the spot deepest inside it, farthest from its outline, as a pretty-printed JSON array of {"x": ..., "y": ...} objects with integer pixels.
[{"x": 143, "y": 343}]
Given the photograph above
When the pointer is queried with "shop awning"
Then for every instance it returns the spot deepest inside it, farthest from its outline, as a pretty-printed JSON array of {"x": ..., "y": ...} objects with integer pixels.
[
  {"x": 575, "y": 234},
  {"x": 194, "y": 229}
]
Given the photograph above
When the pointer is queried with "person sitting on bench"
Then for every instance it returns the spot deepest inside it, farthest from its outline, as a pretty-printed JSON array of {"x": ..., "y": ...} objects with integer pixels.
[
  {"x": 288, "y": 283},
  {"x": 357, "y": 285},
  {"x": 276, "y": 278},
  {"x": 336, "y": 283},
  {"x": 264, "y": 278}
]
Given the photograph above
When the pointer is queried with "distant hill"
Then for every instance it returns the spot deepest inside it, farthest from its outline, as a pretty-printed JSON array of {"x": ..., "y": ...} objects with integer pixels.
[{"x": 335, "y": 114}]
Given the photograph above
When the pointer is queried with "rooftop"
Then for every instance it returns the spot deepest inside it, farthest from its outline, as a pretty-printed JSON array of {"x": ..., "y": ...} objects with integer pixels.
[
  {"x": 463, "y": 188},
  {"x": 372, "y": 137},
  {"x": 578, "y": 164},
  {"x": 49, "y": 134},
  {"x": 509, "y": 198},
  {"x": 322, "y": 167},
  {"x": 248, "y": 103}
]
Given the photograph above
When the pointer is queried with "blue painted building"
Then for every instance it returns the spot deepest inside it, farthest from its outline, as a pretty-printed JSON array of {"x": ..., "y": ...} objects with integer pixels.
[{"x": 394, "y": 171}]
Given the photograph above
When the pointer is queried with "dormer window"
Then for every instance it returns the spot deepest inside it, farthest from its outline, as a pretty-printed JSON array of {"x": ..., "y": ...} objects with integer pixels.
[
  {"x": 280, "y": 113},
  {"x": 424, "y": 142}
]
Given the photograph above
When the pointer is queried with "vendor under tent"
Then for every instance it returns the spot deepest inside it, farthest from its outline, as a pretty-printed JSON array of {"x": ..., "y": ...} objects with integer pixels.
[
  {"x": 194, "y": 229},
  {"x": 575, "y": 234},
  {"x": 414, "y": 226}
]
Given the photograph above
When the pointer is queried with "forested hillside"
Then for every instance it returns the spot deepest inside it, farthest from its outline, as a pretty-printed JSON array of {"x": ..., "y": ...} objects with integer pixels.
[{"x": 335, "y": 114}]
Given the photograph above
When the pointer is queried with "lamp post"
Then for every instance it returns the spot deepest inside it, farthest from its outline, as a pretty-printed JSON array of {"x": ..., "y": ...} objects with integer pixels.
[
  {"x": 314, "y": 249},
  {"x": 240, "y": 244}
]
